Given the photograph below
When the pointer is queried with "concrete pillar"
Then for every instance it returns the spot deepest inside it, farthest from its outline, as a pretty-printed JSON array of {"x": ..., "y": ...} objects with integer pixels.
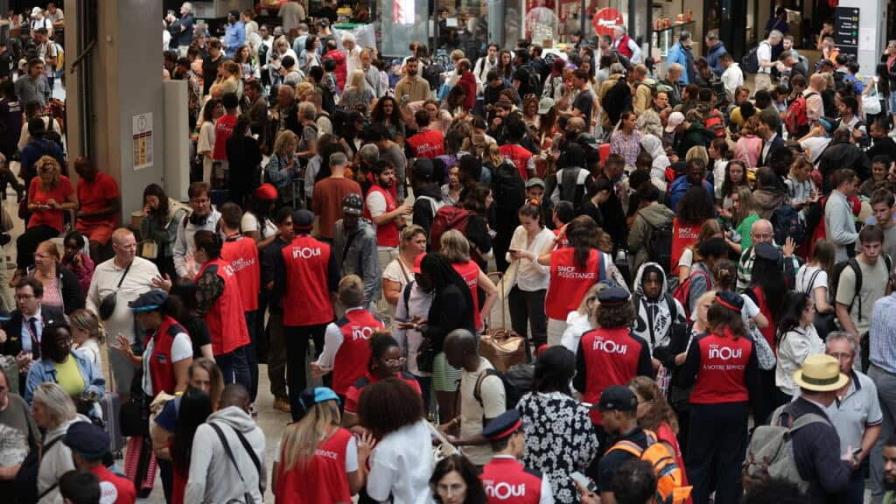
[
  {"x": 872, "y": 32},
  {"x": 126, "y": 72}
]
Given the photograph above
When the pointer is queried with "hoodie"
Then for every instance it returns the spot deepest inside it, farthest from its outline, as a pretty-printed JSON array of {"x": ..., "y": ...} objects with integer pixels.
[
  {"x": 655, "y": 318},
  {"x": 209, "y": 461},
  {"x": 653, "y": 216},
  {"x": 653, "y": 145},
  {"x": 468, "y": 82}
]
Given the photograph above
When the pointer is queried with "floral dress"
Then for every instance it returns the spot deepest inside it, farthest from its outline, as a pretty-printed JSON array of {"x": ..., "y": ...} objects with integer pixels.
[{"x": 560, "y": 439}]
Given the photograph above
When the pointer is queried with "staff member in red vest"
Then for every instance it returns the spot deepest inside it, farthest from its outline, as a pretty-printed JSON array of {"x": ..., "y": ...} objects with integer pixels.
[
  {"x": 574, "y": 270},
  {"x": 610, "y": 354},
  {"x": 722, "y": 368},
  {"x": 221, "y": 305},
  {"x": 242, "y": 254},
  {"x": 307, "y": 274},
  {"x": 319, "y": 461},
  {"x": 381, "y": 208},
  {"x": 505, "y": 478},
  {"x": 347, "y": 341}
]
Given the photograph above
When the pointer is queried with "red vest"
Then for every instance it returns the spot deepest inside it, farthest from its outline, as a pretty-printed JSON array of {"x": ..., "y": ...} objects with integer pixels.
[
  {"x": 469, "y": 271},
  {"x": 683, "y": 236},
  {"x": 357, "y": 325},
  {"x": 611, "y": 358},
  {"x": 306, "y": 300},
  {"x": 113, "y": 486},
  {"x": 386, "y": 233},
  {"x": 569, "y": 283},
  {"x": 428, "y": 144},
  {"x": 223, "y": 131},
  {"x": 623, "y": 47},
  {"x": 242, "y": 254},
  {"x": 161, "y": 368},
  {"x": 321, "y": 479},
  {"x": 226, "y": 319},
  {"x": 506, "y": 480},
  {"x": 723, "y": 366},
  {"x": 771, "y": 329}
]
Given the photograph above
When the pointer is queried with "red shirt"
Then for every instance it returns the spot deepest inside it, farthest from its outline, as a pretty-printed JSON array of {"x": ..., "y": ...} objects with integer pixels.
[
  {"x": 612, "y": 357},
  {"x": 320, "y": 479},
  {"x": 307, "y": 292},
  {"x": 223, "y": 131},
  {"x": 469, "y": 271},
  {"x": 356, "y": 326},
  {"x": 37, "y": 195},
  {"x": 113, "y": 486},
  {"x": 242, "y": 254},
  {"x": 506, "y": 480},
  {"x": 427, "y": 144},
  {"x": 354, "y": 392},
  {"x": 387, "y": 232},
  {"x": 569, "y": 283},
  {"x": 721, "y": 375},
  {"x": 226, "y": 319},
  {"x": 97, "y": 195},
  {"x": 520, "y": 157},
  {"x": 683, "y": 236}
]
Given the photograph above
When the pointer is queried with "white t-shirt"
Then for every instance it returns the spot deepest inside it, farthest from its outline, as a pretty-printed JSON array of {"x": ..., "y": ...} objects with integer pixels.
[
  {"x": 395, "y": 271},
  {"x": 472, "y": 412},
  {"x": 764, "y": 53},
  {"x": 750, "y": 309},
  {"x": 90, "y": 350},
  {"x": 686, "y": 259},
  {"x": 249, "y": 222},
  {"x": 804, "y": 277},
  {"x": 531, "y": 276},
  {"x": 401, "y": 464},
  {"x": 181, "y": 348}
]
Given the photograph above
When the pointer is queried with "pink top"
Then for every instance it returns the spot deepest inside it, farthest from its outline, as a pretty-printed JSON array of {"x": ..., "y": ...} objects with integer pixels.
[
  {"x": 748, "y": 149},
  {"x": 52, "y": 294}
]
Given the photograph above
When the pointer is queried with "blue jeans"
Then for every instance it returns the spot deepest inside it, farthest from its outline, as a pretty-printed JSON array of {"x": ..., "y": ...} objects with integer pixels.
[{"x": 234, "y": 367}]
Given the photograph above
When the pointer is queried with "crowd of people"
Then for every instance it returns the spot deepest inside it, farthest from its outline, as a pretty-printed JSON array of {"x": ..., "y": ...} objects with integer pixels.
[{"x": 695, "y": 260}]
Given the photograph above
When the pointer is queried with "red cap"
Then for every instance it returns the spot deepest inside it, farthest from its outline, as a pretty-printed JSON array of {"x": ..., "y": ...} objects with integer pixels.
[
  {"x": 417, "y": 262},
  {"x": 266, "y": 192}
]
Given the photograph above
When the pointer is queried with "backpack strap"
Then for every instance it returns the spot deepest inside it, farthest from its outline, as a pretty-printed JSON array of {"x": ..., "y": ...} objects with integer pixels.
[
  {"x": 43, "y": 451},
  {"x": 406, "y": 294},
  {"x": 812, "y": 281},
  {"x": 230, "y": 456},
  {"x": 629, "y": 447},
  {"x": 807, "y": 419},
  {"x": 477, "y": 389}
]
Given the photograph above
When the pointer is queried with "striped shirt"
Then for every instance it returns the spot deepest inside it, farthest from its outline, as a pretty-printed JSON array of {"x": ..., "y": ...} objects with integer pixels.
[{"x": 882, "y": 337}]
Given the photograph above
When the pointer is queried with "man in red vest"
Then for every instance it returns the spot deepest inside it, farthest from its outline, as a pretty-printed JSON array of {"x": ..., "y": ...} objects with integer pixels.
[
  {"x": 381, "y": 208},
  {"x": 347, "y": 341},
  {"x": 89, "y": 445},
  {"x": 221, "y": 305},
  {"x": 242, "y": 254},
  {"x": 307, "y": 275},
  {"x": 505, "y": 478}
]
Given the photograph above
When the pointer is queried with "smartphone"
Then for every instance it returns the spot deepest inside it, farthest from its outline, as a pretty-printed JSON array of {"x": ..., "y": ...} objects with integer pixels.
[{"x": 583, "y": 481}]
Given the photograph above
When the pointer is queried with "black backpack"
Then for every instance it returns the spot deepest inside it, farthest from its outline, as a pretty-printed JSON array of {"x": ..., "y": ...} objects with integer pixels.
[
  {"x": 617, "y": 100},
  {"x": 853, "y": 263},
  {"x": 570, "y": 189},
  {"x": 508, "y": 187},
  {"x": 433, "y": 74},
  {"x": 750, "y": 62},
  {"x": 533, "y": 80},
  {"x": 786, "y": 222},
  {"x": 517, "y": 380},
  {"x": 659, "y": 245}
]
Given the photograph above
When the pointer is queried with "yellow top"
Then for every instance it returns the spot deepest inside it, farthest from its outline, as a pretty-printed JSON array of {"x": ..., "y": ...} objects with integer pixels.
[{"x": 68, "y": 376}]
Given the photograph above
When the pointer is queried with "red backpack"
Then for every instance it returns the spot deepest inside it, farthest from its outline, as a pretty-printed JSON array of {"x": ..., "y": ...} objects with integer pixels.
[
  {"x": 683, "y": 292},
  {"x": 796, "y": 119},
  {"x": 447, "y": 218}
]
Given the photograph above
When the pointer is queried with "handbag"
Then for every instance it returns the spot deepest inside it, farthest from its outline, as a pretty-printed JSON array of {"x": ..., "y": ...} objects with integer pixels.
[
  {"x": 134, "y": 414},
  {"x": 871, "y": 102},
  {"x": 107, "y": 304},
  {"x": 503, "y": 347},
  {"x": 426, "y": 356},
  {"x": 149, "y": 249}
]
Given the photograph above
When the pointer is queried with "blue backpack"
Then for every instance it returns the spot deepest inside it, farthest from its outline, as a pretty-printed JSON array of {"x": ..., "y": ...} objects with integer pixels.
[{"x": 786, "y": 222}]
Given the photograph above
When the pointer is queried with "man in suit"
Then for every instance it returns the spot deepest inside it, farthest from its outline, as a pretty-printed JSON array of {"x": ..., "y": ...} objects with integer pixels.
[
  {"x": 769, "y": 123},
  {"x": 20, "y": 333}
]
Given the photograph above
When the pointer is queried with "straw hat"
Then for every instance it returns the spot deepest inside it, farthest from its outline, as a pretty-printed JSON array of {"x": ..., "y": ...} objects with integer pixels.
[{"x": 820, "y": 373}]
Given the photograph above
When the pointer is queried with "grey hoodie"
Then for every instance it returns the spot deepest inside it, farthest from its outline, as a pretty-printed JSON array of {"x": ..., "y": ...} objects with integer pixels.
[
  {"x": 213, "y": 477},
  {"x": 653, "y": 216}
]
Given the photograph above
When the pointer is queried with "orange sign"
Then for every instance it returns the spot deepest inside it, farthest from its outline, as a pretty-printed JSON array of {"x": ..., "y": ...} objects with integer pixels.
[{"x": 605, "y": 19}]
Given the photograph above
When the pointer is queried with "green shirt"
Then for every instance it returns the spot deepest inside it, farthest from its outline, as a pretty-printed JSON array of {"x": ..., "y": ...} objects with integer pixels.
[
  {"x": 743, "y": 229},
  {"x": 68, "y": 376}
]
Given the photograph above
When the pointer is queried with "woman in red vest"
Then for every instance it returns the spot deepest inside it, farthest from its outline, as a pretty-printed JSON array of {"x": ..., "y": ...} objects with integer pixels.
[
  {"x": 319, "y": 461},
  {"x": 574, "y": 270},
  {"x": 723, "y": 369},
  {"x": 456, "y": 249},
  {"x": 693, "y": 210},
  {"x": 218, "y": 295}
]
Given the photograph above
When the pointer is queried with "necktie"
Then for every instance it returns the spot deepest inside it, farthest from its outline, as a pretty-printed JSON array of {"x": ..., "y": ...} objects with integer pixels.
[{"x": 35, "y": 341}]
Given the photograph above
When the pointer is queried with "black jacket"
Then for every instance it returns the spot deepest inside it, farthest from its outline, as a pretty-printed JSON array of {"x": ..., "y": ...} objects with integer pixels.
[
  {"x": 816, "y": 451},
  {"x": 13, "y": 328},
  {"x": 72, "y": 295}
]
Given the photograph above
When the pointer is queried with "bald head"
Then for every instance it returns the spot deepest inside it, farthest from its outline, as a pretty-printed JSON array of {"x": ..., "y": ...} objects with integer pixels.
[
  {"x": 762, "y": 232},
  {"x": 460, "y": 348}
]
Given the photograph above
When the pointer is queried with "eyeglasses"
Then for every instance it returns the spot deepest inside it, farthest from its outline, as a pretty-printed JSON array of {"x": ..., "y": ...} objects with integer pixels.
[
  {"x": 841, "y": 355},
  {"x": 395, "y": 362}
]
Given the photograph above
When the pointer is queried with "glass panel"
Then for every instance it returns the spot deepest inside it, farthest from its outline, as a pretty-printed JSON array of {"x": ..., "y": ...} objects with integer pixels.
[
  {"x": 463, "y": 24},
  {"x": 403, "y": 22}
]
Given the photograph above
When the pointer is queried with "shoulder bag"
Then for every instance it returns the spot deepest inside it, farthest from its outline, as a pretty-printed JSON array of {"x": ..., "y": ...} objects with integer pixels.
[{"x": 107, "y": 304}]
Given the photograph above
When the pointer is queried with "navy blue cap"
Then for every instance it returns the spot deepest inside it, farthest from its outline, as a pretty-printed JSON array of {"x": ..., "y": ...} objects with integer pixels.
[
  {"x": 617, "y": 398},
  {"x": 503, "y": 425},
  {"x": 88, "y": 440},
  {"x": 311, "y": 396},
  {"x": 767, "y": 251},
  {"x": 423, "y": 170},
  {"x": 731, "y": 300},
  {"x": 613, "y": 295},
  {"x": 302, "y": 219},
  {"x": 152, "y": 300}
]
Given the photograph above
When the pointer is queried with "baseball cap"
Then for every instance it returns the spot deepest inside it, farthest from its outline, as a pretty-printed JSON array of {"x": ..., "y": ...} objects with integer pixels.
[
  {"x": 617, "y": 398},
  {"x": 311, "y": 396},
  {"x": 151, "y": 300},
  {"x": 266, "y": 192},
  {"x": 675, "y": 119},
  {"x": 302, "y": 219},
  {"x": 352, "y": 204},
  {"x": 545, "y": 105},
  {"x": 88, "y": 440},
  {"x": 533, "y": 182}
]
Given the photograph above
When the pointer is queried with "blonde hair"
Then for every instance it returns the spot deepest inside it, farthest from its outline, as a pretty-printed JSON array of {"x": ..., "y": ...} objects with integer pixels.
[
  {"x": 87, "y": 321},
  {"x": 409, "y": 232},
  {"x": 494, "y": 155},
  {"x": 351, "y": 291},
  {"x": 51, "y": 248},
  {"x": 455, "y": 246},
  {"x": 300, "y": 439},
  {"x": 357, "y": 80},
  {"x": 48, "y": 163},
  {"x": 697, "y": 152},
  {"x": 709, "y": 295},
  {"x": 745, "y": 204},
  {"x": 58, "y": 404},
  {"x": 284, "y": 139}
]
